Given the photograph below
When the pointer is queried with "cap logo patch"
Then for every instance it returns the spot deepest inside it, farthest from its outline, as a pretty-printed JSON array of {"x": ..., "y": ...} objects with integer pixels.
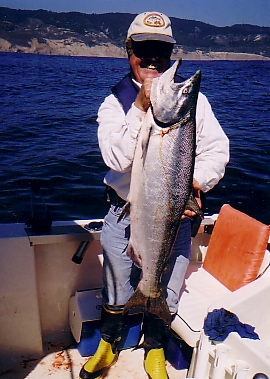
[{"x": 154, "y": 19}]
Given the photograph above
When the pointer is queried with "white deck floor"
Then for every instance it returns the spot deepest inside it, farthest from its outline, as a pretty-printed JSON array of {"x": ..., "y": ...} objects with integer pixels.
[{"x": 66, "y": 364}]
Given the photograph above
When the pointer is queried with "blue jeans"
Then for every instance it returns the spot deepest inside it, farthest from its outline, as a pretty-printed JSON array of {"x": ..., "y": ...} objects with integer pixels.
[{"x": 121, "y": 276}]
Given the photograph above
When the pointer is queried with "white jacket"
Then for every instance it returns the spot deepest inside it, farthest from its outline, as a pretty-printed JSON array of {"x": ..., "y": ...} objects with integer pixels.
[{"x": 117, "y": 135}]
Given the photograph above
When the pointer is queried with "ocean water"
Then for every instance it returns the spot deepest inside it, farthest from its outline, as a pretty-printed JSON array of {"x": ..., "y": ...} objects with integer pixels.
[{"x": 48, "y": 131}]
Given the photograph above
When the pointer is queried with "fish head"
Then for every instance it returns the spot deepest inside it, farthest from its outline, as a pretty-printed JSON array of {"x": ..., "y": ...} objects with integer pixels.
[{"x": 171, "y": 101}]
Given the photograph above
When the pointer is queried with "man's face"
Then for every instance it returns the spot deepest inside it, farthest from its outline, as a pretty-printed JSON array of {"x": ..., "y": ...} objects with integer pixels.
[{"x": 149, "y": 59}]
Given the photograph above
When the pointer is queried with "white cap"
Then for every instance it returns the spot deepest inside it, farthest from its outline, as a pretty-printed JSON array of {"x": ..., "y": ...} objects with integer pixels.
[{"x": 151, "y": 26}]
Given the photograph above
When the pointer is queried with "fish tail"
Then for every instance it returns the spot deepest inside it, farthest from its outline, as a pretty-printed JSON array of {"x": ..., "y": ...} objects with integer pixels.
[{"x": 156, "y": 306}]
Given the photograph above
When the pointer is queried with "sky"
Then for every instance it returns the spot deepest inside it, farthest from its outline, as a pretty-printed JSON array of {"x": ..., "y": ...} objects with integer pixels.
[{"x": 215, "y": 12}]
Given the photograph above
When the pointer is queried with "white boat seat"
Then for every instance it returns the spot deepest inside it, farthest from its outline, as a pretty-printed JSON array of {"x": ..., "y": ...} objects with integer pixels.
[
  {"x": 200, "y": 290},
  {"x": 235, "y": 254},
  {"x": 255, "y": 352},
  {"x": 251, "y": 304}
]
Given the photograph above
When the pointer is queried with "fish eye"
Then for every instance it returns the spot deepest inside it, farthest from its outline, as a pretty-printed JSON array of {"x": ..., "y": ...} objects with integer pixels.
[{"x": 186, "y": 90}]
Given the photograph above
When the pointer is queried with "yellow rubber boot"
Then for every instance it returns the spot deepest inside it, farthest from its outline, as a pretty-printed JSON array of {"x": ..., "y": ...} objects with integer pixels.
[
  {"x": 103, "y": 358},
  {"x": 154, "y": 364}
]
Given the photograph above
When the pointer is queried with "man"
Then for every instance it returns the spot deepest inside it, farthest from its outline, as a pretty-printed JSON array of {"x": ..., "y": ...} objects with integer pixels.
[{"x": 149, "y": 46}]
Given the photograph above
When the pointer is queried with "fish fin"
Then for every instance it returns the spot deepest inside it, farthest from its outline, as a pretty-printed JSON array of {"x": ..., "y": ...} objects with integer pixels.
[
  {"x": 192, "y": 205},
  {"x": 196, "y": 220},
  {"x": 145, "y": 139},
  {"x": 145, "y": 132},
  {"x": 133, "y": 255},
  {"x": 156, "y": 306},
  {"x": 125, "y": 211}
]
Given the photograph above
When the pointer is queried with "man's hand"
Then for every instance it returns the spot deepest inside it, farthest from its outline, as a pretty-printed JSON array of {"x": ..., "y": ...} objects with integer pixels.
[
  {"x": 142, "y": 101},
  {"x": 197, "y": 196}
]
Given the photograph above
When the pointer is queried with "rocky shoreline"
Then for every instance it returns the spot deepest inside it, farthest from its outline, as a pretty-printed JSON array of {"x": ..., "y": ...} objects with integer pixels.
[{"x": 74, "y": 47}]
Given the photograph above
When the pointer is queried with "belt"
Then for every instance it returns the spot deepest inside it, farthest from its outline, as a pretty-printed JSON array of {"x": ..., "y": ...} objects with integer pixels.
[{"x": 113, "y": 198}]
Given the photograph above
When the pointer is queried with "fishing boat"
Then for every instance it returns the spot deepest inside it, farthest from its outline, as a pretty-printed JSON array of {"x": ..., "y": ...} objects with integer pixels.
[{"x": 48, "y": 277}]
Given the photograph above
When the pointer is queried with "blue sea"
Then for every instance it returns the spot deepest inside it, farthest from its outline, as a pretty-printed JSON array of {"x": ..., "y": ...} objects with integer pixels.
[{"x": 48, "y": 131}]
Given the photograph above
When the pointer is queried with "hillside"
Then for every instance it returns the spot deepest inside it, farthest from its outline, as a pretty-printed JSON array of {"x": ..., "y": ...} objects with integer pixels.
[{"x": 74, "y": 33}]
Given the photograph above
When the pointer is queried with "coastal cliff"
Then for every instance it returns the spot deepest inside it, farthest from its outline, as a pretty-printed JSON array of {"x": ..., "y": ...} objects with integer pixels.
[
  {"x": 78, "y": 34},
  {"x": 77, "y": 48}
]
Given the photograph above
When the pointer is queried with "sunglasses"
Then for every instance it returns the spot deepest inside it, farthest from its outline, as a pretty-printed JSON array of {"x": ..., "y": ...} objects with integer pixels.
[{"x": 152, "y": 49}]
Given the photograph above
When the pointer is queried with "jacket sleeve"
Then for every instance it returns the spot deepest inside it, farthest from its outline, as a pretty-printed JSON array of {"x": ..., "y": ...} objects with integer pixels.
[
  {"x": 212, "y": 150},
  {"x": 117, "y": 133}
]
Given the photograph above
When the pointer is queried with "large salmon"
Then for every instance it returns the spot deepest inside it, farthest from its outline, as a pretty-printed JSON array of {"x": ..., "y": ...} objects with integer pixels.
[{"x": 161, "y": 183}]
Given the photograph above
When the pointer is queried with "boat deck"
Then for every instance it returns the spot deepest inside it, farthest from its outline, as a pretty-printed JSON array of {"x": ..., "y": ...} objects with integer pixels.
[{"x": 66, "y": 364}]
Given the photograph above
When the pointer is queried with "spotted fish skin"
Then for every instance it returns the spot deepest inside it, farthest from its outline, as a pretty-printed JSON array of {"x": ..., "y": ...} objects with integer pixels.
[{"x": 161, "y": 183}]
